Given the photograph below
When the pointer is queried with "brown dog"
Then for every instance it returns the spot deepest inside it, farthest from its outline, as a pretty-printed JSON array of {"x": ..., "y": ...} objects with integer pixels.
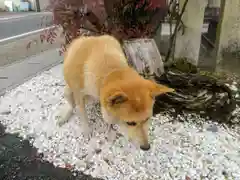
[{"x": 97, "y": 67}]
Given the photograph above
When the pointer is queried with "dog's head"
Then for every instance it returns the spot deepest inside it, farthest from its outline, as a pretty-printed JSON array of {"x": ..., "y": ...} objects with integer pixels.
[{"x": 131, "y": 102}]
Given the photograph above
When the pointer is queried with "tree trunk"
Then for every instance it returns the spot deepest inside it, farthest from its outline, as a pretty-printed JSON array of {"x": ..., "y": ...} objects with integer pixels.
[{"x": 143, "y": 55}]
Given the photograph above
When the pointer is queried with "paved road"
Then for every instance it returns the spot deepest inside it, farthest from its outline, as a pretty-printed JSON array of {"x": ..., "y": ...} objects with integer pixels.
[{"x": 12, "y": 25}]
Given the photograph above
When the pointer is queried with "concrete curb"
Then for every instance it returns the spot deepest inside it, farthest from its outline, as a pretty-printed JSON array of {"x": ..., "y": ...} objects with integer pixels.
[{"x": 13, "y": 75}]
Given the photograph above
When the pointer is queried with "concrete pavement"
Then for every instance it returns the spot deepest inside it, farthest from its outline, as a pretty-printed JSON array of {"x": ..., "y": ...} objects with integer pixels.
[{"x": 17, "y": 73}]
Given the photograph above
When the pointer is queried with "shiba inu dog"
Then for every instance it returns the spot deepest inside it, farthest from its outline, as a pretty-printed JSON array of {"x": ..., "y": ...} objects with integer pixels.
[{"x": 96, "y": 66}]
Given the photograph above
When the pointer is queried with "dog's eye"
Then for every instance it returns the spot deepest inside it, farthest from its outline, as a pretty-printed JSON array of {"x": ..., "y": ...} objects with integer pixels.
[{"x": 131, "y": 123}]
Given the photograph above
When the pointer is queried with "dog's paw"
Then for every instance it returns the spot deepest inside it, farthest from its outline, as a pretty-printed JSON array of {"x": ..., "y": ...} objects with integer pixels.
[
  {"x": 63, "y": 116},
  {"x": 60, "y": 120},
  {"x": 111, "y": 133},
  {"x": 87, "y": 134}
]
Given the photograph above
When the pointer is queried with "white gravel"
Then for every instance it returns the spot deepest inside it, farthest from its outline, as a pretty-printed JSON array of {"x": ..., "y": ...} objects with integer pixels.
[{"x": 179, "y": 150}]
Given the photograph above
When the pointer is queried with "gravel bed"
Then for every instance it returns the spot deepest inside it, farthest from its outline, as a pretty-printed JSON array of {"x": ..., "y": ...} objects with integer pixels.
[{"x": 179, "y": 150}]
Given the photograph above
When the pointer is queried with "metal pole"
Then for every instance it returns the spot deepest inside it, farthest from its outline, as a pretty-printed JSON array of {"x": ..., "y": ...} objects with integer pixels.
[{"x": 37, "y": 5}]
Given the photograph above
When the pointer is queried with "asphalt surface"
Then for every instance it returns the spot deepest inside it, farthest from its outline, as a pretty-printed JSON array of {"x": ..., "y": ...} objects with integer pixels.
[{"x": 12, "y": 25}]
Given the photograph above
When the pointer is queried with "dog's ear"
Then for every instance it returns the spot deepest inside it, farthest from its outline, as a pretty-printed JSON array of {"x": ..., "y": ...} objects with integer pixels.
[
  {"x": 158, "y": 89},
  {"x": 117, "y": 98}
]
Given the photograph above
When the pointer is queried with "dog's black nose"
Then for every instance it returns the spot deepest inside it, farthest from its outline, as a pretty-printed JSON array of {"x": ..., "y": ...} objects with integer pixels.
[{"x": 145, "y": 147}]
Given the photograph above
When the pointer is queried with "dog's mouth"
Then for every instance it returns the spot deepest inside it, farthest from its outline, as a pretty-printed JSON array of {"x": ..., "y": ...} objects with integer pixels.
[{"x": 134, "y": 143}]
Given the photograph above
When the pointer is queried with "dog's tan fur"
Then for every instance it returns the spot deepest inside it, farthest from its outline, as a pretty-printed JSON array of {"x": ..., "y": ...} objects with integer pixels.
[{"x": 97, "y": 67}]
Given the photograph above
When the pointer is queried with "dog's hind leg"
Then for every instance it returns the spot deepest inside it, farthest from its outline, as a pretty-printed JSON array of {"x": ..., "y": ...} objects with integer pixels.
[{"x": 67, "y": 110}]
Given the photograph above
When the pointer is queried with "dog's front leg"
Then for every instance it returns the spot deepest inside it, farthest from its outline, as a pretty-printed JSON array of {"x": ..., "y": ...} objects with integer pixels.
[
  {"x": 81, "y": 101},
  {"x": 111, "y": 134}
]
